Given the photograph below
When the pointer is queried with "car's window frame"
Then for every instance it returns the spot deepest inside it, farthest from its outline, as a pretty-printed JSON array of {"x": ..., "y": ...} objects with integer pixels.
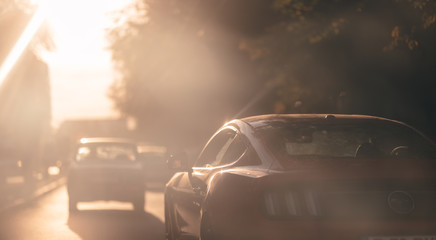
[
  {"x": 223, "y": 149},
  {"x": 238, "y": 139}
]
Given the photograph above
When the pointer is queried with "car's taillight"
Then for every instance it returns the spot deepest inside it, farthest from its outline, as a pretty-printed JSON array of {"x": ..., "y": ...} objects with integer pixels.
[{"x": 289, "y": 203}]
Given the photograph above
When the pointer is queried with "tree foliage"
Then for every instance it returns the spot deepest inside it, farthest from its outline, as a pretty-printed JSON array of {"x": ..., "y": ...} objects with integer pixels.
[
  {"x": 179, "y": 63},
  {"x": 361, "y": 56},
  {"x": 218, "y": 59}
]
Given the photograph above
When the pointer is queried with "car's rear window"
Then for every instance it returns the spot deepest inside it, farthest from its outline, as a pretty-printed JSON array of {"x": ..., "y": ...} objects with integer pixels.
[
  {"x": 344, "y": 140},
  {"x": 106, "y": 151}
]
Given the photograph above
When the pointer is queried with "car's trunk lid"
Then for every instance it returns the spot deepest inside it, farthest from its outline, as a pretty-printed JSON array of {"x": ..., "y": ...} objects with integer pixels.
[{"x": 366, "y": 191}]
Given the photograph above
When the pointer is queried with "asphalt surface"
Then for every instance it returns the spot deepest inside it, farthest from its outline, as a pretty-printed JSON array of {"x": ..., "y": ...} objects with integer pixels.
[{"x": 41, "y": 212}]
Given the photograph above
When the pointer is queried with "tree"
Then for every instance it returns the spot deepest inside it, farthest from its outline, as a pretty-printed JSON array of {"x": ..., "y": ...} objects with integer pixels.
[
  {"x": 181, "y": 71},
  {"x": 371, "y": 57},
  {"x": 282, "y": 56}
]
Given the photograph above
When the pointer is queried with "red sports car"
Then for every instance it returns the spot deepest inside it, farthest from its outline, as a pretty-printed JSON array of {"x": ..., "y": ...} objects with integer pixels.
[{"x": 302, "y": 177}]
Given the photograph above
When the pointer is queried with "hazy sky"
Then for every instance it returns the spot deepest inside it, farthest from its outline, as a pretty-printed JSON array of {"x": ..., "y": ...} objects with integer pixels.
[{"x": 80, "y": 67}]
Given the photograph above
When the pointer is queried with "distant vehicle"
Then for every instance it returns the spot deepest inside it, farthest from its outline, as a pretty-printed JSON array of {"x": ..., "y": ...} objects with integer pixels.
[
  {"x": 106, "y": 169},
  {"x": 306, "y": 177},
  {"x": 153, "y": 159}
]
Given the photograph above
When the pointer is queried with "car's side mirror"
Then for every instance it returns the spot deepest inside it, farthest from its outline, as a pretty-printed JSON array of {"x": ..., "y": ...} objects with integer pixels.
[{"x": 178, "y": 162}]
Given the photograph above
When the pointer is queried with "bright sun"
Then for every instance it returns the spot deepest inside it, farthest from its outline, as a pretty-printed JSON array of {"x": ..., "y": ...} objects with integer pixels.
[
  {"x": 80, "y": 66},
  {"x": 72, "y": 20}
]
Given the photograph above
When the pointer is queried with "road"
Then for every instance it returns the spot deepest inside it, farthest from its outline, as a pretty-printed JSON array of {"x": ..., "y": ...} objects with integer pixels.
[{"x": 46, "y": 218}]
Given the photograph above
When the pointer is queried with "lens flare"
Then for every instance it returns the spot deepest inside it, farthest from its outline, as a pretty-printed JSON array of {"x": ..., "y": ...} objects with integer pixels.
[{"x": 24, "y": 40}]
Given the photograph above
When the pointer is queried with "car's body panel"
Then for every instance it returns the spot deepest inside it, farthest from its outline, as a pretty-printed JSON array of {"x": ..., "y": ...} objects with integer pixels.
[
  {"x": 89, "y": 182},
  {"x": 343, "y": 198}
]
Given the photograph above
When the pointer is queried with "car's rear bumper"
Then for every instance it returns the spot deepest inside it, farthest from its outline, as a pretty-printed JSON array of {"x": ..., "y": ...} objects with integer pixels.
[
  {"x": 105, "y": 191},
  {"x": 326, "y": 230}
]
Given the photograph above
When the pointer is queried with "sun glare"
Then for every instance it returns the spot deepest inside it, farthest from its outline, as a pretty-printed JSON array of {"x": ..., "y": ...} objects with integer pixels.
[
  {"x": 80, "y": 66},
  {"x": 74, "y": 21},
  {"x": 22, "y": 42}
]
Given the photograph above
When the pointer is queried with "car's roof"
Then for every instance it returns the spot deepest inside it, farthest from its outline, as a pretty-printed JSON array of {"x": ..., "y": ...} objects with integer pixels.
[
  {"x": 106, "y": 140},
  {"x": 261, "y": 120},
  {"x": 265, "y": 121},
  {"x": 310, "y": 116}
]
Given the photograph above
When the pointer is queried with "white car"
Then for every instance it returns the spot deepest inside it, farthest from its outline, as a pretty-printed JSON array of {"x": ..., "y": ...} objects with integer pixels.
[{"x": 106, "y": 169}]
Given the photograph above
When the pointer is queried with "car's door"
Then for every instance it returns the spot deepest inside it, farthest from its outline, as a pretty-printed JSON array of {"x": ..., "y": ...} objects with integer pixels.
[{"x": 221, "y": 151}]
